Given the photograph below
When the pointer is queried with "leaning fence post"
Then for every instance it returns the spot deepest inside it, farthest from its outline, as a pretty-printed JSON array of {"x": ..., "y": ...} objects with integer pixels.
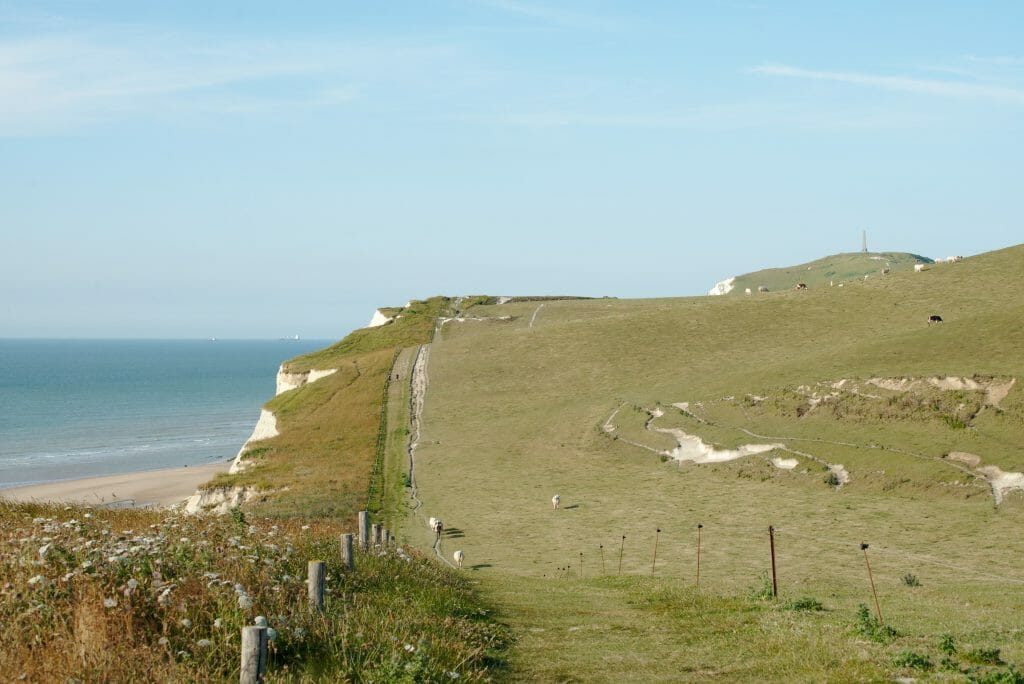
[
  {"x": 254, "y": 655},
  {"x": 364, "y": 530},
  {"x": 317, "y": 571},
  {"x": 654, "y": 559},
  {"x": 346, "y": 552},
  {"x": 864, "y": 548}
]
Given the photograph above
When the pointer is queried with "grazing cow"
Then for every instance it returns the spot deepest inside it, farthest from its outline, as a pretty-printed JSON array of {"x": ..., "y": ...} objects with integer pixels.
[
  {"x": 459, "y": 557},
  {"x": 934, "y": 318},
  {"x": 801, "y": 286},
  {"x": 556, "y": 501}
]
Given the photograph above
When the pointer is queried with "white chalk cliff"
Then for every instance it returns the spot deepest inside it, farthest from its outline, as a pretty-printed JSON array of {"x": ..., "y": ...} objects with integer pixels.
[
  {"x": 289, "y": 381},
  {"x": 266, "y": 427},
  {"x": 378, "y": 319},
  {"x": 222, "y": 499},
  {"x": 724, "y": 287}
]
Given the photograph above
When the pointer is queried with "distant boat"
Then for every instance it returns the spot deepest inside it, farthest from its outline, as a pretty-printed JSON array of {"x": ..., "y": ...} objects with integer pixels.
[
  {"x": 291, "y": 339},
  {"x": 213, "y": 339}
]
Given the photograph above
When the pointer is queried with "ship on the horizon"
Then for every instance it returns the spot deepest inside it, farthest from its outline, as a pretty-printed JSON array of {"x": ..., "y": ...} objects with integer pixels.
[{"x": 295, "y": 338}]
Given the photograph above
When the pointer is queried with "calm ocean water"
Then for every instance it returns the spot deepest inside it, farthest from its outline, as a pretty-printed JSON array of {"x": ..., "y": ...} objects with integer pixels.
[{"x": 78, "y": 408}]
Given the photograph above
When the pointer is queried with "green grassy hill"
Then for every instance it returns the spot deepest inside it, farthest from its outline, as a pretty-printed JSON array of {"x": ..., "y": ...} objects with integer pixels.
[
  {"x": 829, "y": 271},
  {"x": 558, "y": 399},
  {"x": 876, "y": 427}
]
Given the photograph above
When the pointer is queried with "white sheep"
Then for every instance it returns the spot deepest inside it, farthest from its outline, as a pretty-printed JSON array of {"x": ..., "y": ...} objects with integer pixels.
[
  {"x": 556, "y": 501},
  {"x": 437, "y": 526},
  {"x": 459, "y": 556}
]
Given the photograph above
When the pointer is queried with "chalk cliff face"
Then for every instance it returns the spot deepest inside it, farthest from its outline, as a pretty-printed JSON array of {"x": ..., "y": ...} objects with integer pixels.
[
  {"x": 378, "y": 319},
  {"x": 219, "y": 500},
  {"x": 289, "y": 381},
  {"x": 266, "y": 427},
  {"x": 223, "y": 499},
  {"x": 723, "y": 288}
]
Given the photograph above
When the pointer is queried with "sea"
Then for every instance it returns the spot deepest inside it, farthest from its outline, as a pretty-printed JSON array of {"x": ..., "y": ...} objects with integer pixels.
[{"x": 83, "y": 408}]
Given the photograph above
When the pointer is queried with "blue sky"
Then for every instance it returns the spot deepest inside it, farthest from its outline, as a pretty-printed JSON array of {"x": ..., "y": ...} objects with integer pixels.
[{"x": 257, "y": 169}]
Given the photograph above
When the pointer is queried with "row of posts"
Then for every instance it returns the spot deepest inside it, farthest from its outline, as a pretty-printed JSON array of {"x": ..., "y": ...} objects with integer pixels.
[{"x": 254, "y": 638}]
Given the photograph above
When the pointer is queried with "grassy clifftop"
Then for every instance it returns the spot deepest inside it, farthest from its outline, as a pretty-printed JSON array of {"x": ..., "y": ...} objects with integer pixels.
[
  {"x": 837, "y": 268},
  {"x": 578, "y": 398},
  {"x": 320, "y": 464}
]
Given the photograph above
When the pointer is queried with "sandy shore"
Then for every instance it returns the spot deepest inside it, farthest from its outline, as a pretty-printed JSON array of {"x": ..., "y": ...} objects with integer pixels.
[{"x": 153, "y": 488}]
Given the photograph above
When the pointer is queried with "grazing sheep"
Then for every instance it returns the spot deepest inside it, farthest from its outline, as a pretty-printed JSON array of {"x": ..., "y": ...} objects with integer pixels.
[
  {"x": 801, "y": 286},
  {"x": 459, "y": 556},
  {"x": 438, "y": 527},
  {"x": 432, "y": 523},
  {"x": 747, "y": 291},
  {"x": 556, "y": 501},
  {"x": 762, "y": 288},
  {"x": 934, "y": 318}
]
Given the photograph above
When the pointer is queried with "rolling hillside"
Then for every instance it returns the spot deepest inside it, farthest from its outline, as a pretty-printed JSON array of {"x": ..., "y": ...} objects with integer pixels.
[
  {"x": 887, "y": 431},
  {"x": 828, "y": 271},
  {"x": 838, "y": 416}
]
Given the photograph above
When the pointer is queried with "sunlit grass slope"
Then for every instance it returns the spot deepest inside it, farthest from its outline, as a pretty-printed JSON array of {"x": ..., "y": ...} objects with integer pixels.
[
  {"x": 834, "y": 269},
  {"x": 320, "y": 464},
  {"x": 517, "y": 412}
]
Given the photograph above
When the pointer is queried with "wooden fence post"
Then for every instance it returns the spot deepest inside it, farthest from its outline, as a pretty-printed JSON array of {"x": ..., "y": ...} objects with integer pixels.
[
  {"x": 254, "y": 655},
  {"x": 346, "y": 552},
  {"x": 375, "y": 535},
  {"x": 364, "y": 530},
  {"x": 317, "y": 572},
  {"x": 699, "y": 528},
  {"x": 878, "y": 609},
  {"x": 654, "y": 559},
  {"x": 387, "y": 537}
]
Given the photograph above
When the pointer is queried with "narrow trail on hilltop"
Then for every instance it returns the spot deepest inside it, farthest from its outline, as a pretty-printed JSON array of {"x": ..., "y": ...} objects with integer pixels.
[
  {"x": 535, "y": 312},
  {"x": 417, "y": 396}
]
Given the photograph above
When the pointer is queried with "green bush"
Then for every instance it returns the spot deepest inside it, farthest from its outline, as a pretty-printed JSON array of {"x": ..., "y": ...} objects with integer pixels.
[
  {"x": 762, "y": 591},
  {"x": 983, "y": 656},
  {"x": 913, "y": 660},
  {"x": 1011, "y": 675},
  {"x": 805, "y": 604},
  {"x": 911, "y": 580},
  {"x": 868, "y": 626}
]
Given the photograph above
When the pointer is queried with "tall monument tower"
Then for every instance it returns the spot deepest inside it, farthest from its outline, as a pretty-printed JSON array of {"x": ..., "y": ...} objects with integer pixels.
[{"x": 864, "y": 241}]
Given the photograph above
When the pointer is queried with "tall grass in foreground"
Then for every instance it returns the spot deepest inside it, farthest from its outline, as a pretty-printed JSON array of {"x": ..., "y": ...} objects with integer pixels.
[{"x": 93, "y": 595}]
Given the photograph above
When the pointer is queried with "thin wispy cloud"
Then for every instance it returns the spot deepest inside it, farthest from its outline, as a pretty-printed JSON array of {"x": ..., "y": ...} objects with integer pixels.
[
  {"x": 735, "y": 116},
  {"x": 71, "y": 78},
  {"x": 901, "y": 84},
  {"x": 549, "y": 14},
  {"x": 996, "y": 60}
]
